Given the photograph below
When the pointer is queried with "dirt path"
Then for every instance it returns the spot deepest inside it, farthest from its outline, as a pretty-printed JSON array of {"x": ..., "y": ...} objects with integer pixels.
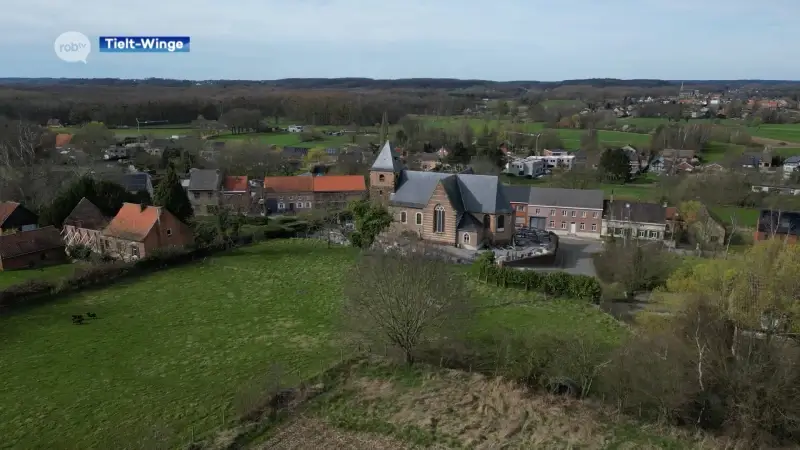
[{"x": 775, "y": 142}]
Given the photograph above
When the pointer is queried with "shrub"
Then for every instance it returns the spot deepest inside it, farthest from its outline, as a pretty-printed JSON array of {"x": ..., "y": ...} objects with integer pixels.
[
  {"x": 80, "y": 251},
  {"x": 21, "y": 293},
  {"x": 558, "y": 284}
]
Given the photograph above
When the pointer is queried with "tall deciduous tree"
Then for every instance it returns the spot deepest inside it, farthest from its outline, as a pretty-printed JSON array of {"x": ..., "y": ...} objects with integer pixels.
[
  {"x": 93, "y": 138},
  {"x": 403, "y": 299},
  {"x": 614, "y": 166},
  {"x": 171, "y": 195}
]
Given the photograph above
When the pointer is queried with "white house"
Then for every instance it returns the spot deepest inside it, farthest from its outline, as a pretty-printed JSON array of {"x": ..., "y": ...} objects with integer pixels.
[
  {"x": 526, "y": 167},
  {"x": 790, "y": 164}
]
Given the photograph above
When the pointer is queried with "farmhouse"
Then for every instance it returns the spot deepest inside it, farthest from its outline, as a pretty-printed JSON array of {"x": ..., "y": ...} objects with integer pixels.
[
  {"x": 305, "y": 192},
  {"x": 84, "y": 226},
  {"x": 236, "y": 193},
  {"x": 14, "y": 216},
  {"x": 33, "y": 248},
  {"x": 635, "y": 220},
  {"x": 464, "y": 210},
  {"x": 204, "y": 190},
  {"x": 139, "y": 230}
]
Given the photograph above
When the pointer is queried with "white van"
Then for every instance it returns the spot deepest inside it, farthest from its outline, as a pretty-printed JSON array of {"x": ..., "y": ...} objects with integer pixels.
[{"x": 295, "y": 129}]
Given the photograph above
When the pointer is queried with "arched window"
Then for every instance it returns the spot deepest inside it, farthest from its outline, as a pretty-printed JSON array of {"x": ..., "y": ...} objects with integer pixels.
[
  {"x": 438, "y": 219},
  {"x": 501, "y": 222},
  {"x": 403, "y": 216},
  {"x": 466, "y": 238},
  {"x": 419, "y": 218},
  {"x": 487, "y": 222},
  {"x": 381, "y": 178}
]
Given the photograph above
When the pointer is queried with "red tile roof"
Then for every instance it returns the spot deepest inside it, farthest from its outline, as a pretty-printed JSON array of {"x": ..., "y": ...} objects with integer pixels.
[
  {"x": 6, "y": 208},
  {"x": 340, "y": 183},
  {"x": 27, "y": 242},
  {"x": 133, "y": 222},
  {"x": 63, "y": 139},
  {"x": 289, "y": 184},
  {"x": 671, "y": 213},
  {"x": 235, "y": 184}
]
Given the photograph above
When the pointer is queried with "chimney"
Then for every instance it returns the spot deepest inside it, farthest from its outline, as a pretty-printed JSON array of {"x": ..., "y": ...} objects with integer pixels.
[
  {"x": 664, "y": 204},
  {"x": 143, "y": 206}
]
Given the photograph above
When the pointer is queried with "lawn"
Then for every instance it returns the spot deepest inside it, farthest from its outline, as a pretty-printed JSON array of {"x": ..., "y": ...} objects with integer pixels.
[
  {"x": 11, "y": 277},
  {"x": 718, "y": 152},
  {"x": 745, "y": 217},
  {"x": 783, "y": 132},
  {"x": 170, "y": 352}
]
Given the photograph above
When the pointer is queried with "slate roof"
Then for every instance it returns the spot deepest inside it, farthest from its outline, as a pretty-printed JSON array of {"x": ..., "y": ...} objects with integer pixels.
[
  {"x": 204, "y": 180},
  {"x": 87, "y": 215},
  {"x": 27, "y": 242},
  {"x": 792, "y": 160},
  {"x": 639, "y": 212},
  {"x": 560, "y": 198},
  {"x": 294, "y": 152},
  {"x": 468, "y": 222},
  {"x": 134, "y": 182},
  {"x": 133, "y": 222},
  {"x": 779, "y": 222},
  {"x": 387, "y": 160},
  {"x": 467, "y": 192}
]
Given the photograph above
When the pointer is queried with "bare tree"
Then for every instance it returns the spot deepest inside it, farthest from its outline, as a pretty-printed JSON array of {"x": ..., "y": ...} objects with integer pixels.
[{"x": 404, "y": 298}]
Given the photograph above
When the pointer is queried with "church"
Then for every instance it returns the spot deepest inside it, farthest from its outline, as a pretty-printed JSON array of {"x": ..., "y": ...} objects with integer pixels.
[{"x": 460, "y": 209}]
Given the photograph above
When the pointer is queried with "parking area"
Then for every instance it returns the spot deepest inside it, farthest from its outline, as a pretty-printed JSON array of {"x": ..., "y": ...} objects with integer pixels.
[{"x": 575, "y": 256}]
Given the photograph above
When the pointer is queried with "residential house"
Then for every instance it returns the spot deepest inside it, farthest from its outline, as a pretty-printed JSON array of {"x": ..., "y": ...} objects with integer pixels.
[
  {"x": 637, "y": 220},
  {"x": 555, "y": 159},
  {"x": 115, "y": 152},
  {"x": 752, "y": 160},
  {"x": 777, "y": 224},
  {"x": 790, "y": 164},
  {"x": 204, "y": 190},
  {"x": 33, "y": 248},
  {"x": 135, "y": 182},
  {"x": 337, "y": 191},
  {"x": 14, "y": 216},
  {"x": 576, "y": 212},
  {"x": 236, "y": 193},
  {"x": 636, "y": 161},
  {"x": 462, "y": 209},
  {"x": 532, "y": 167},
  {"x": 294, "y": 153},
  {"x": 54, "y": 123},
  {"x": 137, "y": 231},
  {"x": 84, "y": 226},
  {"x": 288, "y": 194},
  {"x": 425, "y": 161},
  {"x": 669, "y": 158},
  {"x": 714, "y": 167}
]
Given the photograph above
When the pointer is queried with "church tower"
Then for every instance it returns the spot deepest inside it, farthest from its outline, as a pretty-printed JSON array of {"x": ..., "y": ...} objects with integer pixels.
[{"x": 384, "y": 174}]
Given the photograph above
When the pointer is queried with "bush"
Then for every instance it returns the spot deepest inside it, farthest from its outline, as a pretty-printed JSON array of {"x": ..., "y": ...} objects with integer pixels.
[
  {"x": 80, "y": 252},
  {"x": 558, "y": 284}
]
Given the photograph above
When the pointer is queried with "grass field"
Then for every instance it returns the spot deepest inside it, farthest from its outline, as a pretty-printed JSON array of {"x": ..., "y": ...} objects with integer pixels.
[
  {"x": 285, "y": 139},
  {"x": 745, "y": 217},
  {"x": 8, "y": 278},
  {"x": 170, "y": 352}
]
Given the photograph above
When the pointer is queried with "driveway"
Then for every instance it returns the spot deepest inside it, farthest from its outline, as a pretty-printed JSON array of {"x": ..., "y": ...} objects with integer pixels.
[{"x": 575, "y": 256}]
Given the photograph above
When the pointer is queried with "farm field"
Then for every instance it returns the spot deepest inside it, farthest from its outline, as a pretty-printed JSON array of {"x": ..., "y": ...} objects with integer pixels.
[{"x": 170, "y": 352}]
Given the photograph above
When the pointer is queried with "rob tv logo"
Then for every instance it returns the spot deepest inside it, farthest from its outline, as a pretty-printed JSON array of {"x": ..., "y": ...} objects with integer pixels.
[{"x": 72, "y": 46}]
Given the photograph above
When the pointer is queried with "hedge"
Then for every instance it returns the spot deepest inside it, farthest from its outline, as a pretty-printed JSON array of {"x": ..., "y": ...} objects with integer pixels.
[
  {"x": 39, "y": 291},
  {"x": 558, "y": 284}
]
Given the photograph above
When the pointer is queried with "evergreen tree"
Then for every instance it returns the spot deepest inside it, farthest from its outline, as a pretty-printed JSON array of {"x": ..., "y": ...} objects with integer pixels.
[
  {"x": 170, "y": 194},
  {"x": 615, "y": 166},
  {"x": 107, "y": 196}
]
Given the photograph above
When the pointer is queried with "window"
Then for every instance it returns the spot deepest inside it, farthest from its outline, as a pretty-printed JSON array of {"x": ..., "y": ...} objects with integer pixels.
[
  {"x": 583, "y": 226},
  {"x": 210, "y": 195},
  {"x": 487, "y": 222},
  {"x": 563, "y": 225},
  {"x": 403, "y": 216},
  {"x": 552, "y": 224},
  {"x": 299, "y": 205},
  {"x": 280, "y": 199},
  {"x": 572, "y": 213},
  {"x": 281, "y": 206},
  {"x": 196, "y": 194},
  {"x": 134, "y": 250},
  {"x": 381, "y": 178},
  {"x": 438, "y": 219},
  {"x": 594, "y": 215},
  {"x": 552, "y": 212},
  {"x": 291, "y": 197},
  {"x": 169, "y": 231},
  {"x": 501, "y": 223},
  {"x": 583, "y": 214},
  {"x": 519, "y": 207},
  {"x": 419, "y": 218},
  {"x": 594, "y": 227},
  {"x": 466, "y": 238},
  {"x": 564, "y": 213},
  {"x": 641, "y": 233},
  {"x": 654, "y": 234},
  {"x": 308, "y": 204},
  {"x": 537, "y": 210}
]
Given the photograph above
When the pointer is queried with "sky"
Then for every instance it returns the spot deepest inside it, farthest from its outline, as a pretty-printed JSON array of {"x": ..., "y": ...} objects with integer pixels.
[{"x": 501, "y": 40}]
